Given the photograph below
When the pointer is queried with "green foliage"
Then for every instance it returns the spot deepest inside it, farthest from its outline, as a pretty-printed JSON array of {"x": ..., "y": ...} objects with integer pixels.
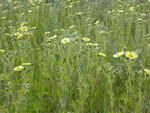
[{"x": 74, "y": 56}]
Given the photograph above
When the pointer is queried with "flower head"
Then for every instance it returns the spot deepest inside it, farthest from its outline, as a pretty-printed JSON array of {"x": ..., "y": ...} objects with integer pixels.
[
  {"x": 147, "y": 71},
  {"x": 26, "y": 64},
  {"x": 18, "y": 68},
  {"x": 131, "y": 55},
  {"x": 22, "y": 91},
  {"x": 101, "y": 54},
  {"x": 118, "y": 54},
  {"x": 85, "y": 39},
  {"x": 24, "y": 23},
  {"x": 3, "y": 76},
  {"x": 18, "y": 35},
  {"x": 131, "y": 9},
  {"x": 2, "y": 51},
  {"x": 23, "y": 28},
  {"x": 97, "y": 22},
  {"x": 65, "y": 40}
]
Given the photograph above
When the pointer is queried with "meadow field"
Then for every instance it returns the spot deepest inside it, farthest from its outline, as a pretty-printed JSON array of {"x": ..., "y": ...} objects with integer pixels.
[{"x": 74, "y": 56}]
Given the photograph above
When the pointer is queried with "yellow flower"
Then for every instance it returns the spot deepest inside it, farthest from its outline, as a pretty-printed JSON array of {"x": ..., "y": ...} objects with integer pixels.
[
  {"x": 71, "y": 27},
  {"x": 118, "y": 54},
  {"x": 2, "y": 51},
  {"x": 101, "y": 54},
  {"x": 53, "y": 37},
  {"x": 22, "y": 91},
  {"x": 95, "y": 44},
  {"x": 26, "y": 64},
  {"x": 89, "y": 44},
  {"x": 131, "y": 55},
  {"x": 65, "y": 40},
  {"x": 31, "y": 2},
  {"x": 47, "y": 33},
  {"x": 29, "y": 11},
  {"x": 3, "y": 76},
  {"x": 97, "y": 22},
  {"x": 18, "y": 35},
  {"x": 85, "y": 39},
  {"x": 147, "y": 71},
  {"x": 23, "y": 29},
  {"x": 18, "y": 68},
  {"x": 131, "y": 9},
  {"x": 24, "y": 23},
  {"x": 34, "y": 27}
]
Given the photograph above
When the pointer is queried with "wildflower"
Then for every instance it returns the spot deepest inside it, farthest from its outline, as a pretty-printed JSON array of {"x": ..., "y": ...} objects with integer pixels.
[
  {"x": 26, "y": 64},
  {"x": 29, "y": 35},
  {"x": 31, "y": 2},
  {"x": 131, "y": 55},
  {"x": 22, "y": 91},
  {"x": 147, "y": 71},
  {"x": 101, "y": 32},
  {"x": 78, "y": 13},
  {"x": 71, "y": 27},
  {"x": 2, "y": 51},
  {"x": 24, "y": 23},
  {"x": 143, "y": 14},
  {"x": 34, "y": 27},
  {"x": 18, "y": 35},
  {"x": 3, "y": 76},
  {"x": 131, "y": 9},
  {"x": 87, "y": 19},
  {"x": 101, "y": 54},
  {"x": 89, "y": 44},
  {"x": 29, "y": 11},
  {"x": 120, "y": 11},
  {"x": 97, "y": 22},
  {"x": 118, "y": 54},
  {"x": 23, "y": 29},
  {"x": 139, "y": 19},
  {"x": 53, "y": 37},
  {"x": 18, "y": 68},
  {"x": 85, "y": 39},
  {"x": 65, "y": 40},
  {"x": 46, "y": 33},
  {"x": 95, "y": 44}
]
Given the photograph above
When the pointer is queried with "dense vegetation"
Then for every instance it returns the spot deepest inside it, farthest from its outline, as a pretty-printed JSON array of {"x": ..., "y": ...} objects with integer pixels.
[{"x": 74, "y": 56}]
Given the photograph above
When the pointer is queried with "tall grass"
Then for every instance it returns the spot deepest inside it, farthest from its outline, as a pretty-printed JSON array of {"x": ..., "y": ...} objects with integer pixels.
[{"x": 41, "y": 73}]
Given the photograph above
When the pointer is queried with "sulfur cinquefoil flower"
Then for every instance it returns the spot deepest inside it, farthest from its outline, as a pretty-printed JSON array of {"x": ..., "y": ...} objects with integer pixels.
[
  {"x": 131, "y": 55},
  {"x": 101, "y": 54},
  {"x": 118, "y": 54},
  {"x": 85, "y": 39},
  {"x": 18, "y": 35},
  {"x": 23, "y": 28},
  {"x": 22, "y": 91},
  {"x": 65, "y": 40},
  {"x": 131, "y": 9},
  {"x": 26, "y": 64},
  {"x": 18, "y": 68},
  {"x": 147, "y": 71},
  {"x": 2, "y": 51}
]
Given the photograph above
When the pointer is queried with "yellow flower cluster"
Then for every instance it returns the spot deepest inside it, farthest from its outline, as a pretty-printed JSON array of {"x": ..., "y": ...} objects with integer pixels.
[
  {"x": 21, "y": 67},
  {"x": 23, "y": 32}
]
